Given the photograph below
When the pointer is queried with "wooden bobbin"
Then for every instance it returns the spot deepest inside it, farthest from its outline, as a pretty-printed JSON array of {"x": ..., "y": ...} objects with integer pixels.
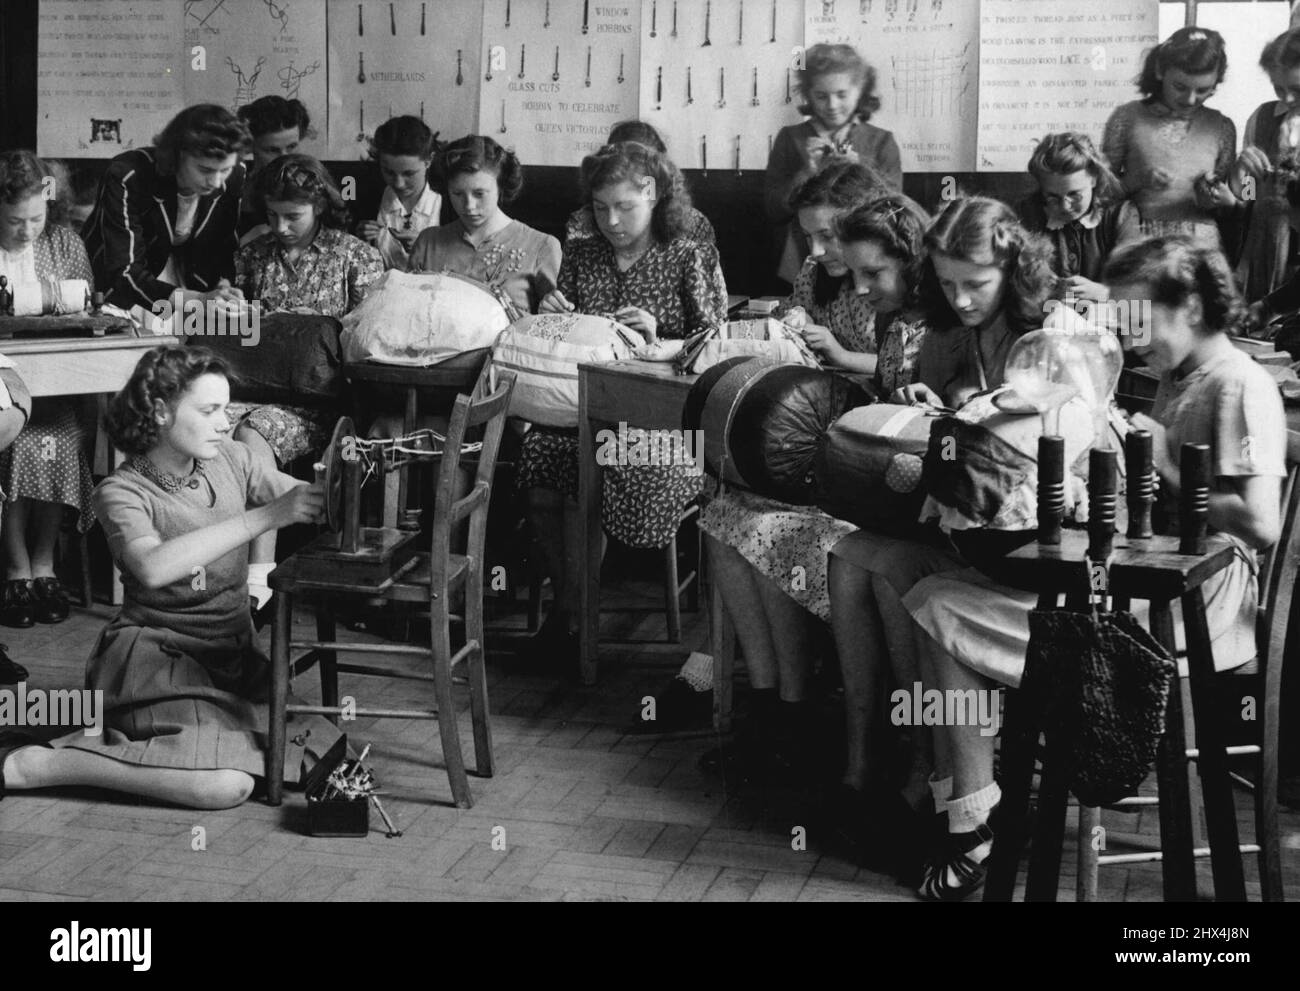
[
  {"x": 1051, "y": 489},
  {"x": 1139, "y": 467},
  {"x": 1102, "y": 496},
  {"x": 1194, "y": 500}
]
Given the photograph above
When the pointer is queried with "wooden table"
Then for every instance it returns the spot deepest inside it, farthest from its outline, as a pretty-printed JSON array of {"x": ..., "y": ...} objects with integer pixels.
[
  {"x": 83, "y": 366},
  {"x": 650, "y": 395}
]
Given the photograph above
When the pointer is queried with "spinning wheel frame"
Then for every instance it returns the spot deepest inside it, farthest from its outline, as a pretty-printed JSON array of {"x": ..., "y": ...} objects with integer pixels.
[{"x": 333, "y": 476}]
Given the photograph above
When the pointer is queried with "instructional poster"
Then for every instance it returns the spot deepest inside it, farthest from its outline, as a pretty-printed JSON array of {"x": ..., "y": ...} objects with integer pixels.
[
  {"x": 717, "y": 78},
  {"x": 926, "y": 57},
  {"x": 416, "y": 57},
  {"x": 109, "y": 75},
  {"x": 557, "y": 74},
  {"x": 1055, "y": 65},
  {"x": 257, "y": 48}
]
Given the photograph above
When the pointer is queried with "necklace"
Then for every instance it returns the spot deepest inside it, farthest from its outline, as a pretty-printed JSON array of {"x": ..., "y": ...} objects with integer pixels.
[{"x": 168, "y": 483}]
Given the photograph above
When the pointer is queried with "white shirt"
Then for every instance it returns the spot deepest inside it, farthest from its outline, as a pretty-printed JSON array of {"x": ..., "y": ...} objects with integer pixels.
[{"x": 425, "y": 214}]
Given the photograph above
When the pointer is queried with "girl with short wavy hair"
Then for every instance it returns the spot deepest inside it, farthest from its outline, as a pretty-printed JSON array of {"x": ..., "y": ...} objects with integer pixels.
[
  {"x": 403, "y": 149},
  {"x": 184, "y": 683}
]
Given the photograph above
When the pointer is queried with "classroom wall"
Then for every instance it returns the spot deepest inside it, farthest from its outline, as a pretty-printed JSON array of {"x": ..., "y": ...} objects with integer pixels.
[{"x": 732, "y": 201}]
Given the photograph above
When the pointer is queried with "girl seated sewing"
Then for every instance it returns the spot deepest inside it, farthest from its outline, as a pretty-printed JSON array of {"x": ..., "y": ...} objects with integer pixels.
[
  {"x": 985, "y": 280},
  {"x": 769, "y": 558},
  {"x": 1080, "y": 208},
  {"x": 975, "y": 632},
  {"x": 403, "y": 148},
  {"x": 306, "y": 263},
  {"x": 46, "y": 469},
  {"x": 479, "y": 177},
  {"x": 184, "y": 710},
  {"x": 645, "y": 272},
  {"x": 278, "y": 127},
  {"x": 164, "y": 226}
]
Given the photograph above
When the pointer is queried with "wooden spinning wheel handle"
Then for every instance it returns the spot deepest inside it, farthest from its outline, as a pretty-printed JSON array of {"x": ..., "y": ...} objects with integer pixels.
[{"x": 344, "y": 435}]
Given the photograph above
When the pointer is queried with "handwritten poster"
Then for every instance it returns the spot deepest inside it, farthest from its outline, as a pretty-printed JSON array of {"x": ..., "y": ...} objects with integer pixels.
[
  {"x": 109, "y": 74},
  {"x": 926, "y": 57},
  {"x": 717, "y": 78},
  {"x": 254, "y": 48},
  {"x": 416, "y": 57},
  {"x": 1055, "y": 65},
  {"x": 557, "y": 74}
]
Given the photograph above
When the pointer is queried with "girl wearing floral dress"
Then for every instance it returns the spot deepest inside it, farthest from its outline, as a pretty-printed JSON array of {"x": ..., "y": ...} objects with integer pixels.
[
  {"x": 645, "y": 272},
  {"x": 46, "y": 468},
  {"x": 307, "y": 263},
  {"x": 1171, "y": 151},
  {"x": 770, "y": 558},
  {"x": 478, "y": 176}
]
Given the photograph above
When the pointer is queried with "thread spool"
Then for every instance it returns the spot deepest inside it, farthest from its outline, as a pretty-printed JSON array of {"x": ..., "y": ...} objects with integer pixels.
[
  {"x": 1103, "y": 489},
  {"x": 1051, "y": 489},
  {"x": 1194, "y": 499},
  {"x": 1139, "y": 467}
]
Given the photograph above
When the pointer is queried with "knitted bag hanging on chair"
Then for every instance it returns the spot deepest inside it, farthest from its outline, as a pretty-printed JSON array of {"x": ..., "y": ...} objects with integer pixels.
[{"x": 1103, "y": 681}]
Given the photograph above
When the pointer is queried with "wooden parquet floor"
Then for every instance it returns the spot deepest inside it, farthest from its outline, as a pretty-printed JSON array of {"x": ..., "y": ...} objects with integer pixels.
[{"x": 579, "y": 809}]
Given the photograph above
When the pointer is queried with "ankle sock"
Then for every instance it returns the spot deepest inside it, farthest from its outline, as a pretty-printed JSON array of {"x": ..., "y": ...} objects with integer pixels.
[
  {"x": 258, "y": 575},
  {"x": 698, "y": 672}
]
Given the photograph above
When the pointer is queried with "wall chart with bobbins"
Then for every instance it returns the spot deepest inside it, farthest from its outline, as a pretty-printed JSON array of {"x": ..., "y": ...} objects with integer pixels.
[
  {"x": 393, "y": 57},
  {"x": 718, "y": 77},
  {"x": 964, "y": 85},
  {"x": 557, "y": 74}
]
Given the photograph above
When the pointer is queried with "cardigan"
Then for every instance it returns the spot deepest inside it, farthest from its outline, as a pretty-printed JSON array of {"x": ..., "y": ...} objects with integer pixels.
[{"x": 129, "y": 234}]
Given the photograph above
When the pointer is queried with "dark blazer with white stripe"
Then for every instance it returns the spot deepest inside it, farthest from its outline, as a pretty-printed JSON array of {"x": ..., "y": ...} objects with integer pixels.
[{"x": 129, "y": 234}]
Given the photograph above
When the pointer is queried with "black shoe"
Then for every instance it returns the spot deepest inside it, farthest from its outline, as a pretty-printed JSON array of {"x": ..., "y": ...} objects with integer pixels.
[
  {"x": 17, "y": 603},
  {"x": 261, "y": 616},
  {"x": 677, "y": 707},
  {"x": 51, "y": 601},
  {"x": 11, "y": 672}
]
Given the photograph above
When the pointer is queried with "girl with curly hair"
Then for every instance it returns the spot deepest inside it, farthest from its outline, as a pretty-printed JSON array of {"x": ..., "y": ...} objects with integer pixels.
[
  {"x": 278, "y": 126},
  {"x": 306, "y": 263},
  {"x": 975, "y": 632},
  {"x": 1079, "y": 207},
  {"x": 984, "y": 283},
  {"x": 167, "y": 216},
  {"x": 648, "y": 274},
  {"x": 839, "y": 96},
  {"x": 184, "y": 684},
  {"x": 478, "y": 176}
]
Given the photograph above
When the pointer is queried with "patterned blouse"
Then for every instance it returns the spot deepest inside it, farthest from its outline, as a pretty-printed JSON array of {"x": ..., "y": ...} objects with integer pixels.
[
  {"x": 332, "y": 277},
  {"x": 679, "y": 283},
  {"x": 56, "y": 255},
  {"x": 852, "y": 321},
  {"x": 521, "y": 261}
]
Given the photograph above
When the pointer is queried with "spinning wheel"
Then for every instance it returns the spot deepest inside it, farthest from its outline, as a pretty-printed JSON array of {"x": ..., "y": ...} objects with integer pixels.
[{"x": 332, "y": 471}]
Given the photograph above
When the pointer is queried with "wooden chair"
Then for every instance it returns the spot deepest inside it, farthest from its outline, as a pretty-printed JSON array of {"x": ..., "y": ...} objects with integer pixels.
[
  {"x": 431, "y": 578},
  {"x": 1160, "y": 570},
  {"x": 1277, "y": 589}
]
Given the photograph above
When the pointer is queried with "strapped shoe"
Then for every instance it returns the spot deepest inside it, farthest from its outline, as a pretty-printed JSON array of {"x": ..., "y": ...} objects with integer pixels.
[
  {"x": 51, "y": 601},
  {"x": 17, "y": 603},
  {"x": 11, "y": 672},
  {"x": 970, "y": 874}
]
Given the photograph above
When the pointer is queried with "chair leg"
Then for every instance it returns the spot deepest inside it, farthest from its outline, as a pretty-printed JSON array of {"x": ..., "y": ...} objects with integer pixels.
[
  {"x": 1177, "y": 861},
  {"x": 281, "y": 632},
  {"x": 1089, "y": 833},
  {"x": 476, "y": 668},
  {"x": 1212, "y": 762},
  {"x": 1044, "y": 875},
  {"x": 672, "y": 601},
  {"x": 329, "y": 673},
  {"x": 83, "y": 552},
  {"x": 440, "y": 644},
  {"x": 1266, "y": 828},
  {"x": 1019, "y": 741}
]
